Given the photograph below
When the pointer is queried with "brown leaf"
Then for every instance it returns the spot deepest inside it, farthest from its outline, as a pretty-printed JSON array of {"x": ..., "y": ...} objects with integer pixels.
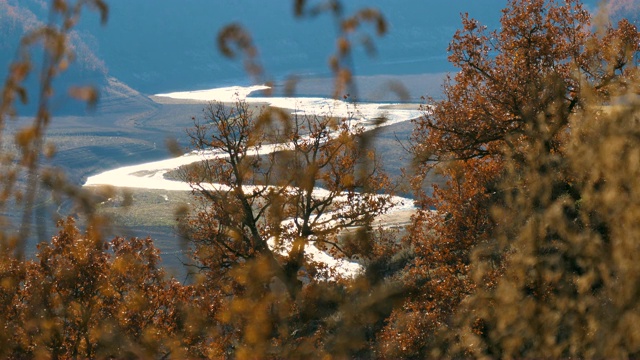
[{"x": 88, "y": 94}]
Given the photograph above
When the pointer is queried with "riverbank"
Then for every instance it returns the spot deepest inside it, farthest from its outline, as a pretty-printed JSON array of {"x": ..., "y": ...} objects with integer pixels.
[{"x": 151, "y": 175}]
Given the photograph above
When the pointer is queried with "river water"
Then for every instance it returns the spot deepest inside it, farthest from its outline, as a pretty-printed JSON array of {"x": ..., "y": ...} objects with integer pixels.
[{"x": 150, "y": 175}]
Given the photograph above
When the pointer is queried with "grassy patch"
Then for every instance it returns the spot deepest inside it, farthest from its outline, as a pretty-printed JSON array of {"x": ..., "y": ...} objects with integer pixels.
[{"x": 137, "y": 207}]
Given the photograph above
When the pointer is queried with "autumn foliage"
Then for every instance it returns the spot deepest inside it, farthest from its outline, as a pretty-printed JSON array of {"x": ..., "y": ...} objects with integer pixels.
[
  {"x": 529, "y": 250},
  {"x": 501, "y": 136}
]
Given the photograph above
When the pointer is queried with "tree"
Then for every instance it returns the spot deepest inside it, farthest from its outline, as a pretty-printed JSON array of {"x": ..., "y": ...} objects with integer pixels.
[
  {"x": 570, "y": 247},
  {"x": 251, "y": 235},
  {"x": 22, "y": 175},
  {"x": 261, "y": 209},
  {"x": 514, "y": 87},
  {"x": 83, "y": 297},
  {"x": 267, "y": 202}
]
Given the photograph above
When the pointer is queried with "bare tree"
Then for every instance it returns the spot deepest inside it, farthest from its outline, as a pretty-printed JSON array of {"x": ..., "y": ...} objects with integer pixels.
[{"x": 271, "y": 191}]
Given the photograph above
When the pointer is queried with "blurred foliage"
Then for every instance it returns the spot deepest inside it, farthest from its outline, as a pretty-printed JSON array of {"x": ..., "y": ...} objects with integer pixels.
[
  {"x": 569, "y": 237},
  {"x": 515, "y": 246},
  {"x": 531, "y": 250}
]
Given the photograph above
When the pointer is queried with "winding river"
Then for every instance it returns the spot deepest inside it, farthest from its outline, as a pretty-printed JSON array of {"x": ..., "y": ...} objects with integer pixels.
[{"x": 150, "y": 175}]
